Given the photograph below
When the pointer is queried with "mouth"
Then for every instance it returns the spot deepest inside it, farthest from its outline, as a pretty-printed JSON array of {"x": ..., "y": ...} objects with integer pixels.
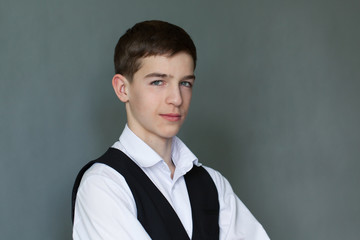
[{"x": 172, "y": 117}]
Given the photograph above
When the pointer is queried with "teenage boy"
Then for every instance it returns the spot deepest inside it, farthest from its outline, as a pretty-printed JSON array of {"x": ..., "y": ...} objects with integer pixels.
[{"x": 149, "y": 185}]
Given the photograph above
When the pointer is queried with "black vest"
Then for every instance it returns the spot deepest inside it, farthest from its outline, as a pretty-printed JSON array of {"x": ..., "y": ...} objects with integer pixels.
[{"x": 153, "y": 210}]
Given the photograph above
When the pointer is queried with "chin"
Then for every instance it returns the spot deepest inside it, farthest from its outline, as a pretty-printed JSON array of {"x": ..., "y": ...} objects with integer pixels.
[{"x": 170, "y": 133}]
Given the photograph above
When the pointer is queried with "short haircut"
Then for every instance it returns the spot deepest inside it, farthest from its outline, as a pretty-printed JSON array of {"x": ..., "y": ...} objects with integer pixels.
[{"x": 150, "y": 38}]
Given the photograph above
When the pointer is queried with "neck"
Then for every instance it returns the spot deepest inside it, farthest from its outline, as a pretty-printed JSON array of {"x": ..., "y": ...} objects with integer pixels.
[{"x": 163, "y": 148}]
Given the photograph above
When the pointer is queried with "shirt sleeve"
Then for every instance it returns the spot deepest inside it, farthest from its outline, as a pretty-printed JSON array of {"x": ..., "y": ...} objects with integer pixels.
[
  {"x": 235, "y": 220},
  {"x": 105, "y": 207}
]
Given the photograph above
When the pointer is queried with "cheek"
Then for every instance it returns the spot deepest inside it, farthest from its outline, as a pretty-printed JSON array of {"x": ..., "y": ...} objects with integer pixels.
[
  {"x": 146, "y": 103},
  {"x": 138, "y": 103},
  {"x": 187, "y": 98}
]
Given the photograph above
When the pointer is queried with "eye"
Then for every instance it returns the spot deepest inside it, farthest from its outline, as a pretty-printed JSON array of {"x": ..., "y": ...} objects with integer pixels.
[
  {"x": 186, "y": 84},
  {"x": 157, "y": 83}
]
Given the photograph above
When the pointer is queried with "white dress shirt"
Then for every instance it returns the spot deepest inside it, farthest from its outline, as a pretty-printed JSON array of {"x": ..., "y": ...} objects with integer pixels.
[{"x": 106, "y": 209}]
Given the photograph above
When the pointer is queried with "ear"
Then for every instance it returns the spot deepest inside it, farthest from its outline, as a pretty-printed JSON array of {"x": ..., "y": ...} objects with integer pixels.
[{"x": 120, "y": 85}]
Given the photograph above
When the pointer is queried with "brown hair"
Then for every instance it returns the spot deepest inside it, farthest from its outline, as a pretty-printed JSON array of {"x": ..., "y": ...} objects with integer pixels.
[{"x": 150, "y": 38}]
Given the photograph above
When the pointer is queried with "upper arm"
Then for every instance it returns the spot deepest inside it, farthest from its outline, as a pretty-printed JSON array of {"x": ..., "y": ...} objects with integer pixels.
[{"x": 105, "y": 208}]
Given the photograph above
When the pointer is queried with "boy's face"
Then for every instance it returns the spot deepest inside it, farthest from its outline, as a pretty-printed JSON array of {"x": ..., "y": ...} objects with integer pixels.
[{"x": 159, "y": 96}]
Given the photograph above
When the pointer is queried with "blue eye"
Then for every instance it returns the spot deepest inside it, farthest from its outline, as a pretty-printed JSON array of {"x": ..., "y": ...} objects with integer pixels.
[
  {"x": 157, "y": 82},
  {"x": 186, "y": 84}
]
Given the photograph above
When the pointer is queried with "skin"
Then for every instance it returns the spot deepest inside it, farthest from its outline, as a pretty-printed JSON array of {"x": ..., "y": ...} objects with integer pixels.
[{"x": 157, "y": 100}]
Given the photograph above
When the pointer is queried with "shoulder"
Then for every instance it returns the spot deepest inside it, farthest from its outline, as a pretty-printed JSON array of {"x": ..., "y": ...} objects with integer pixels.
[
  {"x": 227, "y": 196},
  {"x": 102, "y": 168},
  {"x": 103, "y": 171},
  {"x": 102, "y": 182},
  {"x": 235, "y": 220},
  {"x": 220, "y": 181}
]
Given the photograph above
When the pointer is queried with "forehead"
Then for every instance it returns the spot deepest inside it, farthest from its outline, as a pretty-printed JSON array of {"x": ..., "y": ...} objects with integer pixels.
[{"x": 177, "y": 64}]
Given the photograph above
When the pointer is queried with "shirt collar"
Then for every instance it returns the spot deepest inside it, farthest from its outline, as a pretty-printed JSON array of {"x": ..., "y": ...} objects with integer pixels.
[
  {"x": 182, "y": 155},
  {"x": 145, "y": 156}
]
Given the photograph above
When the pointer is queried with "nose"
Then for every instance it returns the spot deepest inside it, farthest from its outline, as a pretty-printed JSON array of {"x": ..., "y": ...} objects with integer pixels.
[{"x": 174, "y": 96}]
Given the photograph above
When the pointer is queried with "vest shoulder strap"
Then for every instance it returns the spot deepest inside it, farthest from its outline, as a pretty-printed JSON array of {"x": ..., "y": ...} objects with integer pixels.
[{"x": 204, "y": 202}]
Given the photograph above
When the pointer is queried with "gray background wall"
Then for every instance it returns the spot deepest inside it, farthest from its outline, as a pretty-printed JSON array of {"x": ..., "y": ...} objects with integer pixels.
[{"x": 275, "y": 107}]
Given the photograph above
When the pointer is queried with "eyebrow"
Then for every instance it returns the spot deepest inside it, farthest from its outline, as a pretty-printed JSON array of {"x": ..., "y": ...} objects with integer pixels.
[
  {"x": 155, "y": 74},
  {"x": 163, "y": 75},
  {"x": 192, "y": 76}
]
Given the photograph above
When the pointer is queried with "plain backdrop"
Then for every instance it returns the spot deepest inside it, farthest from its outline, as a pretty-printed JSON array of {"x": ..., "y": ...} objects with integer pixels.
[{"x": 275, "y": 106}]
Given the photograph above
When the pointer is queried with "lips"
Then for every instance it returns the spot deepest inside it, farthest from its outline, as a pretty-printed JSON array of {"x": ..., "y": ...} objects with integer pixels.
[{"x": 173, "y": 117}]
